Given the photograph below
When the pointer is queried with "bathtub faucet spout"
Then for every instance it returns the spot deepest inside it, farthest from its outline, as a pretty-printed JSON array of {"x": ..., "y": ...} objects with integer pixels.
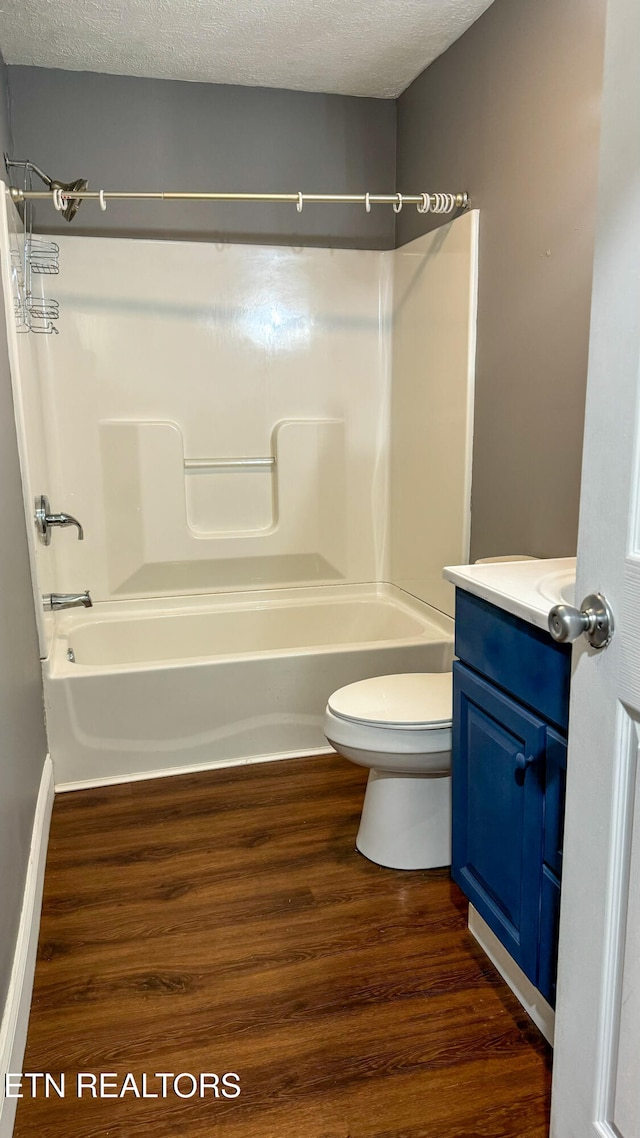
[{"x": 55, "y": 601}]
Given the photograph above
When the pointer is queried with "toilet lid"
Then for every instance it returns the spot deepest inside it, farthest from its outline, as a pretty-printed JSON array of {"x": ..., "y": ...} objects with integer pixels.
[{"x": 416, "y": 699}]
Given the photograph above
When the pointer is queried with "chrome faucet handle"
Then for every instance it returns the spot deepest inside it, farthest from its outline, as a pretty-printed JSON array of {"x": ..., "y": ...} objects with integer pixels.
[
  {"x": 45, "y": 520},
  {"x": 64, "y": 520}
]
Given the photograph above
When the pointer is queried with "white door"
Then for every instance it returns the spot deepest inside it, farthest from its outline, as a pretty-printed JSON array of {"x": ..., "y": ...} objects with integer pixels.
[{"x": 596, "y": 1082}]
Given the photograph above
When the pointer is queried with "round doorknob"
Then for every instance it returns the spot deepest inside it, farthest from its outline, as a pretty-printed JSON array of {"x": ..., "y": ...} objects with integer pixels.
[
  {"x": 594, "y": 618},
  {"x": 567, "y": 623}
]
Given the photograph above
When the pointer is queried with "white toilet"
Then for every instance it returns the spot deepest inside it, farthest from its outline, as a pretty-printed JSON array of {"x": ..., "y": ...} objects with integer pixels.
[{"x": 400, "y": 727}]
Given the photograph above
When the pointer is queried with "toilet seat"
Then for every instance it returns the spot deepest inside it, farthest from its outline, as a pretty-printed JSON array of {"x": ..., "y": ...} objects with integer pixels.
[
  {"x": 401, "y": 719},
  {"x": 412, "y": 701},
  {"x": 391, "y": 745}
]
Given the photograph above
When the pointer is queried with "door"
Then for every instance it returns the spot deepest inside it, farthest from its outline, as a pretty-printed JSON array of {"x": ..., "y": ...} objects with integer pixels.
[{"x": 596, "y": 1083}]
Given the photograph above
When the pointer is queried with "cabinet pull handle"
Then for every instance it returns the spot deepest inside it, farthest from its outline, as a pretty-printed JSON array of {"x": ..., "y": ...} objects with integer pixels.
[{"x": 522, "y": 762}]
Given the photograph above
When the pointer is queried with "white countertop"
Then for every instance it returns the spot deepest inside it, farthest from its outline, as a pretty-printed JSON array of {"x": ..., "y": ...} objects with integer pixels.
[{"x": 528, "y": 589}]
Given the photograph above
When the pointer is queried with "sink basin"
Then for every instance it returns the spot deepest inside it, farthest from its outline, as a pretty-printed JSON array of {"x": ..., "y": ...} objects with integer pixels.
[
  {"x": 559, "y": 587},
  {"x": 568, "y": 593}
]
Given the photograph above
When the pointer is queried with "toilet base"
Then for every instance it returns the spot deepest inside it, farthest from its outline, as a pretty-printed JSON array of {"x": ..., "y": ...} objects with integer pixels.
[{"x": 406, "y": 820}]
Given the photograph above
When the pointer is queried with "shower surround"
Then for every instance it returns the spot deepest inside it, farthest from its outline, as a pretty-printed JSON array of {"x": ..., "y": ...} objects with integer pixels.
[
  {"x": 176, "y": 361},
  {"x": 230, "y": 423}
]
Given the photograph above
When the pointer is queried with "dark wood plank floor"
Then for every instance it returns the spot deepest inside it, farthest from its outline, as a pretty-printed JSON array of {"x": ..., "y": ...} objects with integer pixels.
[{"x": 222, "y": 922}]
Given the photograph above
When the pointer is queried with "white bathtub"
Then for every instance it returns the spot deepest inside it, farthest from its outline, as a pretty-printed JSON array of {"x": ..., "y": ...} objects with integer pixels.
[{"x": 159, "y": 687}]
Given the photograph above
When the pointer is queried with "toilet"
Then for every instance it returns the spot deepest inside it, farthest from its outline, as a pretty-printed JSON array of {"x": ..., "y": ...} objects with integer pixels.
[{"x": 400, "y": 727}]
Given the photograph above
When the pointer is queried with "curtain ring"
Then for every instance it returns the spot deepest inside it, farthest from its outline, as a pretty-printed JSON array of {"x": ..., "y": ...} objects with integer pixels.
[
  {"x": 103, "y": 204},
  {"x": 397, "y": 205},
  {"x": 424, "y": 205},
  {"x": 56, "y": 195},
  {"x": 300, "y": 203},
  {"x": 367, "y": 202}
]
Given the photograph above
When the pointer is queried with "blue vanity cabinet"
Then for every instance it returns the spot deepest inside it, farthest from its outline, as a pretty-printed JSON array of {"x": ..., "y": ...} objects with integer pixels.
[{"x": 511, "y": 690}]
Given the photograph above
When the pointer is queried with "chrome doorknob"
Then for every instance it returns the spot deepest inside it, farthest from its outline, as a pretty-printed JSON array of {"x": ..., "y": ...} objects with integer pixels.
[
  {"x": 567, "y": 623},
  {"x": 594, "y": 618}
]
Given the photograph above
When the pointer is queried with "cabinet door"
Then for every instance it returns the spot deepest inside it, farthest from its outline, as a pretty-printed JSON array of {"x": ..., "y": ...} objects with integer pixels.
[
  {"x": 498, "y": 797},
  {"x": 555, "y": 781},
  {"x": 555, "y": 788},
  {"x": 549, "y": 922}
]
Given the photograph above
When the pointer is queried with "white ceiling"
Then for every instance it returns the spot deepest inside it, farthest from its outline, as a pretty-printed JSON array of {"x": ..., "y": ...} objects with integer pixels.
[{"x": 349, "y": 47}]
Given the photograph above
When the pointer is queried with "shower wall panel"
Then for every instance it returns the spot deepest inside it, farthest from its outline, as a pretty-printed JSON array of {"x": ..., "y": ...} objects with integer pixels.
[
  {"x": 434, "y": 340},
  {"x": 175, "y": 361}
]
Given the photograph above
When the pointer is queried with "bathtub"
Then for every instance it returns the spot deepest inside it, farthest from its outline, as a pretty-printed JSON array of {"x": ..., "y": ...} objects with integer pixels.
[{"x": 137, "y": 689}]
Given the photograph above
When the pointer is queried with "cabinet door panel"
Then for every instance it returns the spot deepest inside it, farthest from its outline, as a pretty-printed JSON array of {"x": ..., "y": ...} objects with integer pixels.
[
  {"x": 549, "y": 922},
  {"x": 556, "y": 778},
  {"x": 498, "y": 812}
]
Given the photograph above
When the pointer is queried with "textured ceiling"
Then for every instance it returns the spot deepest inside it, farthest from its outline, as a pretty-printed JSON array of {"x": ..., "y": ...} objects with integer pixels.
[{"x": 349, "y": 47}]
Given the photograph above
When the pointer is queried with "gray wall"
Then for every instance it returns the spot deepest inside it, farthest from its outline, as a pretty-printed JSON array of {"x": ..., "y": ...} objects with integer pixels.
[
  {"x": 511, "y": 113},
  {"x": 22, "y": 738},
  {"x": 6, "y": 142},
  {"x": 140, "y": 134}
]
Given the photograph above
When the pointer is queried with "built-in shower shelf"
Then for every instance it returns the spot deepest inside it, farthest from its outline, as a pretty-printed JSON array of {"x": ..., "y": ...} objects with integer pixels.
[{"x": 165, "y": 513}]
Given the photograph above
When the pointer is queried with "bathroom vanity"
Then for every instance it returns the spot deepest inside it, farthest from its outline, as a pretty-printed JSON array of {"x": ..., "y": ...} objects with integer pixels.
[{"x": 510, "y": 719}]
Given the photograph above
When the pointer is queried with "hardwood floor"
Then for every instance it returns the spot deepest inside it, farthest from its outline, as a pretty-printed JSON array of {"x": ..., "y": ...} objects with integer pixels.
[{"x": 222, "y": 922}]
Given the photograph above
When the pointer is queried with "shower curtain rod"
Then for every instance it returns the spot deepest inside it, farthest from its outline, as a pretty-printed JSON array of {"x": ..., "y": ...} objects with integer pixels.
[{"x": 425, "y": 202}]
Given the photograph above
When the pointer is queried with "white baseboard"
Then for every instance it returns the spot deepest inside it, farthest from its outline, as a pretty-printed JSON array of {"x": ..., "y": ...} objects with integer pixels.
[
  {"x": 15, "y": 1020},
  {"x": 531, "y": 999},
  {"x": 193, "y": 768}
]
